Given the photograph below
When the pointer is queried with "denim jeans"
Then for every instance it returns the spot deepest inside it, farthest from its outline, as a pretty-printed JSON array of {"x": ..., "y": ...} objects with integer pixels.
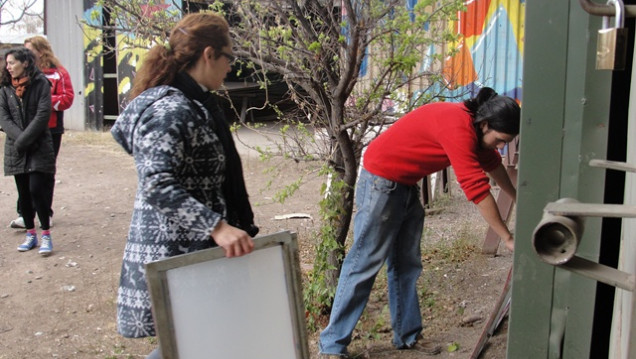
[{"x": 387, "y": 228}]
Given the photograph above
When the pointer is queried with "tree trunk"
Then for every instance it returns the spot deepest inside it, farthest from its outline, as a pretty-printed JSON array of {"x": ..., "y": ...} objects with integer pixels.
[{"x": 346, "y": 170}]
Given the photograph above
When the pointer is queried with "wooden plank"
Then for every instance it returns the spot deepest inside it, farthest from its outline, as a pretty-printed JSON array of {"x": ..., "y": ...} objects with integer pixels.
[{"x": 497, "y": 315}]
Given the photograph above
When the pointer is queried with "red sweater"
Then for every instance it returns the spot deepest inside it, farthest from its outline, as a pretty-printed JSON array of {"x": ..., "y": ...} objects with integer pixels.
[{"x": 429, "y": 139}]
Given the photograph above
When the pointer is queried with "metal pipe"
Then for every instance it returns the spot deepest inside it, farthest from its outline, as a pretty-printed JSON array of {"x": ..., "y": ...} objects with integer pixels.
[
  {"x": 556, "y": 237},
  {"x": 593, "y": 8},
  {"x": 613, "y": 165},
  {"x": 601, "y": 273}
]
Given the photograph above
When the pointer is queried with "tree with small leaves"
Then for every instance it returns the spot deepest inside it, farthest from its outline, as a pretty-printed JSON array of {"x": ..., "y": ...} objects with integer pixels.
[{"x": 352, "y": 67}]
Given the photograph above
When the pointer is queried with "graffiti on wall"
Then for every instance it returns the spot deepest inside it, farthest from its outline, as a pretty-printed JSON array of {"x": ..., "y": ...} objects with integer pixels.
[
  {"x": 489, "y": 52},
  {"x": 128, "y": 61},
  {"x": 490, "y": 48},
  {"x": 128, "y": 58},
  {"x": 92, "y": 62},
  {"x": 130, "y": 52}
]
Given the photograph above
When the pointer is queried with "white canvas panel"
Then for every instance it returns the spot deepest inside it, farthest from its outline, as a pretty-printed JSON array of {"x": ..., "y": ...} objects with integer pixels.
[{"x": 233, "y": 307}]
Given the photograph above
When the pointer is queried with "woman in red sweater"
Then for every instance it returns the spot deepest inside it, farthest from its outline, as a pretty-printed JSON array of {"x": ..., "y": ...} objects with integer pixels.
[
  {"x": 390, "y": 217},
  {"x": 62, "y": 96}
]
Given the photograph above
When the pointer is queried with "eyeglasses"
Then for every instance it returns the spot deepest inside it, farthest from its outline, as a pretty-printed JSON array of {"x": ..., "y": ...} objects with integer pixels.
[{"x": 231, "y": 58}]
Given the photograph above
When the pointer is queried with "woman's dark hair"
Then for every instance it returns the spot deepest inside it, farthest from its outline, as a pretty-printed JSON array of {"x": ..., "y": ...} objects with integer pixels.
[
  {"x": 501, "y": 113},
  {"x": 187, "y": 40},
  {"x": 23, "y": 55}
]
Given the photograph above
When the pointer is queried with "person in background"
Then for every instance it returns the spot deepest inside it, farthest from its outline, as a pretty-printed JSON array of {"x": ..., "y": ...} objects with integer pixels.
[
  {"x": 389, "y": 219},
  {"x": 191, "y": 192},
  {"x": 62, "y": 96},
  {"x": 25, "y": 108}
]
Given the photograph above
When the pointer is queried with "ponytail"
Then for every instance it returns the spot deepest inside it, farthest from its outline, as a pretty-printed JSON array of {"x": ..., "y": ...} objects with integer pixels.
[{"x": 181, "y": 50}]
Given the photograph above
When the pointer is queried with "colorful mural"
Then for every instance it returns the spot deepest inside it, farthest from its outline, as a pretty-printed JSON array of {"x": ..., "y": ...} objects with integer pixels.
[
  {"x": 490, "y": 53},
  {"x": 128, "y": 61},
  {"x": 130, "y": 55},
  {"x": 93, "y": 74},
  {"x": 490, "y": 49},
  {"x": 128, "y": 58}
]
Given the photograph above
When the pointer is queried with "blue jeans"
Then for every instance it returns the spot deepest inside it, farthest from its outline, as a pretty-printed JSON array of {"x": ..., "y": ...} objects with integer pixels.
[{"x": 387, "y": 227}]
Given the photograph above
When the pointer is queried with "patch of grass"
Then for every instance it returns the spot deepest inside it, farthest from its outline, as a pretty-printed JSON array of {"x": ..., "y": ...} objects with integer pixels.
[
  {"x": 459, "y": 247},
  {"x": 119, "y": 351},
  {"x": 380, "y": 323},
  {"x": 427, "y": 298}
]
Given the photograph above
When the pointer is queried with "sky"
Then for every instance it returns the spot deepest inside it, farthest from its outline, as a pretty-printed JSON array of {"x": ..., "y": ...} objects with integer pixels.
[{"x": 11, "y": 10}]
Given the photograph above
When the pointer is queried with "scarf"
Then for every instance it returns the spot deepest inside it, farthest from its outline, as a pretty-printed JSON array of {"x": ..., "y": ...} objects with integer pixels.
[
  {"x": 239, "y": 210},
  {"x": 20, "y": 85}
]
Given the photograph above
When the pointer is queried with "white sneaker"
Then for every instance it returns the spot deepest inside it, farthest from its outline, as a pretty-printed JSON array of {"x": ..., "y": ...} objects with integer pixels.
[{"x": 17, "y": 223}]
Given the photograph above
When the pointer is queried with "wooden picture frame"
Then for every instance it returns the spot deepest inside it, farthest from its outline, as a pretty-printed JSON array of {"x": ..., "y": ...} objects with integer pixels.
[{"x": 206, "y": 305}]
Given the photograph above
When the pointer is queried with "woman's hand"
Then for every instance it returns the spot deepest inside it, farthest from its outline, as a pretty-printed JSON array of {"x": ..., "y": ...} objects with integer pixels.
[
  {"x": 235, "y": 241},
  {"x": 510, "y": 243}
]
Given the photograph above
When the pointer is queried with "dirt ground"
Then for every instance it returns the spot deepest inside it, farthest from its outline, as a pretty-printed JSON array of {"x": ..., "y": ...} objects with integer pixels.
[{"x": 63, "y": 306}]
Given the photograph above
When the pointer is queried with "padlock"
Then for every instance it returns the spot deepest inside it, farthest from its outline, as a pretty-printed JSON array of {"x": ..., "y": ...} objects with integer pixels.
[{"x": 611, "y": 46}]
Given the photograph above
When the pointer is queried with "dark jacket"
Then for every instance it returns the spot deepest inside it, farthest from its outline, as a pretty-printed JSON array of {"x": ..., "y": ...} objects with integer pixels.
[{"x": 28, "y": 146}]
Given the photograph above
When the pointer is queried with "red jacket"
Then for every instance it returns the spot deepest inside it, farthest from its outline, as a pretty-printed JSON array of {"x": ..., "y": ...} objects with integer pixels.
[
  {"x": 62, "y": 94},
  {"x": 429, "y": 139}
]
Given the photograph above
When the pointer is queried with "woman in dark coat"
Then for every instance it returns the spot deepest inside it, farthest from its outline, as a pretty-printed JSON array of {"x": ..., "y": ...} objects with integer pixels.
[{"x": 25, "y": 108}]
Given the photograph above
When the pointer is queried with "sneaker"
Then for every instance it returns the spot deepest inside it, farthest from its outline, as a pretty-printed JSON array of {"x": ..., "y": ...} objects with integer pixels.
[
  {"x": 425, "y": 346},
  {"x": 30, "y": 242},
  {"x": 47, "y": 246},
  {"x": 17, "y": 223}
]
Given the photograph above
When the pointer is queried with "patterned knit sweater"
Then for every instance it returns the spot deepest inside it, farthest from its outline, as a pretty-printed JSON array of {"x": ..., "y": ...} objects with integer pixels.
[{"x": 180, "y": 166}]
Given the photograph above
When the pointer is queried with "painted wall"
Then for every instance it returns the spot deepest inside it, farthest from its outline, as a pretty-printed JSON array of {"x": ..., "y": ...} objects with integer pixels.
[
  {"x": 490, "y": 52},
  {"x": 491, "y": 48},
  {"x": 106, "y": 93},
  {"x": 129, "y": 58},
  {"x": 93, "y": 75}
]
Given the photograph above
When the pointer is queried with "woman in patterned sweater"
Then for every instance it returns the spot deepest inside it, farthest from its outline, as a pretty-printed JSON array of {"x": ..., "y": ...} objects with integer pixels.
[{"x": 191, "y": 192}]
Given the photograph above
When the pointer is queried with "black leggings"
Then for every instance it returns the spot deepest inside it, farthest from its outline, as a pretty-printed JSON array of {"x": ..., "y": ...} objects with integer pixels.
[
  {"x": 57, "y": 143},
  {"x": 34, "y": 189}
]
